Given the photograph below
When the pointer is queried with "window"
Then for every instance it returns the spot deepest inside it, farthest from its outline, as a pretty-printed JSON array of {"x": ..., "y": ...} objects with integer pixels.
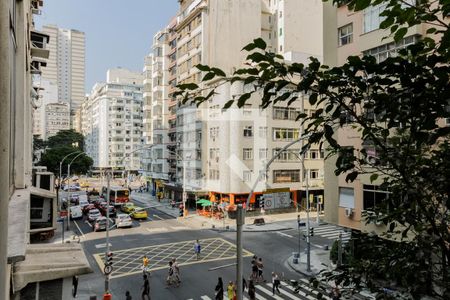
[
  {"x": 247, "y": 110},
  {"x": 314, "y": 174},
  {"x": 247, "y": 153},
  {"x": 281, "y": 31},
  {"x": 287, "y": 155},
  {"x": 285, "y": 134},
  {"x": 247, "y": 176},
  {"x": 263, "y": 153},
  {"x": 372, "y": 18},
  {"x": 285, "y": 113},
  {"x": 346, "y": 197},
  {"x": 281, "y": 176},
  {"x": 314, "y": 154},
  {"x": 345, "y": 34},
  {"x": 391, "y": 49},
  {"x": 248, "y": 131},
  {"x": 373, "y": 196},
  {"x": 263, "y": 132}
]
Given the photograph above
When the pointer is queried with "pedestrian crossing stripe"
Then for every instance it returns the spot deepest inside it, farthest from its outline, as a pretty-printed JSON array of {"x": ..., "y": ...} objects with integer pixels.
[{"x": 332, "y": 232}]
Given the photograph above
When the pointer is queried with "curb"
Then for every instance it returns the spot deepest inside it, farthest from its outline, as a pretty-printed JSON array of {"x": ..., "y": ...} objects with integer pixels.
[
  {"x": 265, "y": 230},
  {"x": 291, "y": 265}
]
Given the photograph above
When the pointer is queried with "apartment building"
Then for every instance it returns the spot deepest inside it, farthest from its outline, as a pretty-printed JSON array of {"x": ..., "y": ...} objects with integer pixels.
[
  {"x": 356, "y": 33},
  {"x": 23, "y": 51},
  {"x": 57, "y": 118},
  {"x": 112, "y": 121},
  {"x": 213, "y": 33},
  {"x": 66, "y": 64},
  {"x": 48, "y": 93}
]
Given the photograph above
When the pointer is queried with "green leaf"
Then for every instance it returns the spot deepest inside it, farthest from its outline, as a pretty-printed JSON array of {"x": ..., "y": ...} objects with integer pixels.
[
  {"x": 260, "y": 43},
  {"x": 242, "y": 99},
  {"x": 400, "y": 34},
  {"x": 208, "y": 76},
  {"x": 431, "y": 30},
  {"x": 373, "y": 177},
  {"x": 351, "y": 176},
  {"x": 361, "y": 4},
  {"x": 218, "y": 72},
  {"x": 228, "y": 104},
  {"x": 249, "y": 47},
  {"x": 203, "y": 68},
  {"x": 256, "y": 57},
  {"x": 188, "y": 86}
]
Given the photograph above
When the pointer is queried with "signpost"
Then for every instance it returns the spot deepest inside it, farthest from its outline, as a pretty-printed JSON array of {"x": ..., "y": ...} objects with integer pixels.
[{"x": 61, "y": 220}]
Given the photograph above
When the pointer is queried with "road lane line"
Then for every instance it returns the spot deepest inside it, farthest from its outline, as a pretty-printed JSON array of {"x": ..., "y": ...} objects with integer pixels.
[
  {"x": 156, "y": 216},
  {"x": 79, "y": 229},
  {"x": 285, "y": 234}
]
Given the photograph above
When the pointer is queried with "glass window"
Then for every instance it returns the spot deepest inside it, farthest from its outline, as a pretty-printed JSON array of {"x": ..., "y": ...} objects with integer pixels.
[
  {"x": 372, "y": 18},
  {"x": 247, "y": 176},
  {"x": 248, "y": 131},
  {"x": 263, "y": 153},
  {"x": 345, "y": 34},
  {"x": 282, "y": 176},
  {"x": 372, "y": 196},
  {"x": 247, "y": 153}
]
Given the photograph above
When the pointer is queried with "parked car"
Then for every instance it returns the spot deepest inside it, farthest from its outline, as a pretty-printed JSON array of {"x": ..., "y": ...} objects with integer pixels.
[
  {"x": 99, "y": 224},
  {"x": 123, "y": 220},
  {"x": 93, "y": 215},
  {"x": 88, "y": 208},
  {"x": 112, "y": 211},
  {"x": 83, "y": 202},
  {"x": 139, "y": 213},
  {"x": 76, "y": 212},
  {"x": 127, "y": 207}
]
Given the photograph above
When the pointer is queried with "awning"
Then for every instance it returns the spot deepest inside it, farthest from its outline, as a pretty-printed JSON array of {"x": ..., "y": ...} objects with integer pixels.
[{"x": 49, "y": 262}]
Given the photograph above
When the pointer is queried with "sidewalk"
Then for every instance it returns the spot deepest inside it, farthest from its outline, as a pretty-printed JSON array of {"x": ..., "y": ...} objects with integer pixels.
[
  {"x": 319, "y": 260},
  {"x": 148, "y": 200}
]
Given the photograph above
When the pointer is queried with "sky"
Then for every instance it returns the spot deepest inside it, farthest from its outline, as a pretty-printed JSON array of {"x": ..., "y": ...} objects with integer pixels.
[{"x": 118, "y": 32}]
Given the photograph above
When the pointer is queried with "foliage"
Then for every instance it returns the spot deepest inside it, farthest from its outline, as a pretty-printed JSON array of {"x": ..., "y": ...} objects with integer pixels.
[
  {"x": 69, "y": 138},
  {"x": 62, "y": 144},
  {"x": 397, "y": 108},
  {"x": 38, "y": 144}
]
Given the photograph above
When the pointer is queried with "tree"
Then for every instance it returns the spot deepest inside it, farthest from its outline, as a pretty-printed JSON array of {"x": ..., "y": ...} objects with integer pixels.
[
  {"x": 69, "y": 138},
  {"x": 396, "y": 107},
  {"x": 53, "y": 156}
]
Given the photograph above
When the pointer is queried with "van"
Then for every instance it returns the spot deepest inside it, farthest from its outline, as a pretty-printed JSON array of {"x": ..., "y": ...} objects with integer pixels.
[{"x": 76, "y": 212}]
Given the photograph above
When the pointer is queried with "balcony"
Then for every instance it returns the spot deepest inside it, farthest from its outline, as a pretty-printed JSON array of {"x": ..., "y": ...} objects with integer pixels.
[{"x": 39, "y": 43}]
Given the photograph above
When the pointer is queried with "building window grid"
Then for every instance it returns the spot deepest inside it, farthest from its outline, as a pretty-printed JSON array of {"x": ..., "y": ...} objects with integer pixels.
[
  {"x": 286, "y": 176},
  {"x": 285, "y": 134},
  {"x": 247, "y": 176},
  {"x": 285, "y": 113},
  {"x": 391, "y": 49},
  {"x": 247, "y": 153},
  {"x": 248, "y": 131}
]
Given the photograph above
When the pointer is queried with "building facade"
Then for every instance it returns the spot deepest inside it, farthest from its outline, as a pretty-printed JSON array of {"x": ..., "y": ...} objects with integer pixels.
[
  {"x": 356, "y": 33},
  {"x": 66, "y": 65},
  {"x": 57, "y": 118},
  {"x": 48, "y": 93},
  {"x": 112, "y": 121}
]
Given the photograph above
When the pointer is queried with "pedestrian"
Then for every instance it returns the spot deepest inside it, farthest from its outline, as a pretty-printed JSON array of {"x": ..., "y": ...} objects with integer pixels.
[
  {"x": 275, "y": 283},
  {"x": 74, "y": 286},
  {"x": 251, "y": 291},
  {"x": 230, "y": 290},
  {"x": 128, "y": 295},
  {"x": 146, "y": 289},
  {"x": 197, "y": 249},
  {"x": 260, "y": 269},
  {"x": 176, "y": 270},
  {"x": 254, "y": 275},
  {"x": 219, "y": 289}
]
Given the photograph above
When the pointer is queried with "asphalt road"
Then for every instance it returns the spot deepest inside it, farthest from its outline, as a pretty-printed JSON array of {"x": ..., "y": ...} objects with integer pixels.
[{"x": 197, "y": 277}]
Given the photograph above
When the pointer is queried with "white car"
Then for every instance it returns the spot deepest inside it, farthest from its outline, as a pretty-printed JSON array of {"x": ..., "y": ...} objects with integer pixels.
[
  {"x": 83, "y": 202},
  {"x": 123, "y": 220},
  {"x": 76, "y": 212},
  {"x": 93, "y": 215}
]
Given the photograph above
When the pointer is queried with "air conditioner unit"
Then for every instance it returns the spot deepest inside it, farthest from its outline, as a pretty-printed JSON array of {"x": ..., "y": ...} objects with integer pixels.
[{"x": 348, "y": 212}]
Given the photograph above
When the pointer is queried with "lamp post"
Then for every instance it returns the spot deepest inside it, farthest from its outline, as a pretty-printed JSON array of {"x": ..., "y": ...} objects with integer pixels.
[
  {"x": 68, "y": 184},
  {"x": 241, "y": 216},
  {"x": 60, "y": 174}
]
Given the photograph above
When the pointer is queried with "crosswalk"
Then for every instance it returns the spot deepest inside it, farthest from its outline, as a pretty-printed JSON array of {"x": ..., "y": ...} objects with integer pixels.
[
  {"x": 264, "y": 292},
  {"x": 332, "y": 232}
]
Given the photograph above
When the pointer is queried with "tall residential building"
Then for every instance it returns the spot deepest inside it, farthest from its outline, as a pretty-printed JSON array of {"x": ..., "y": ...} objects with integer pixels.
[
  {"x": 57, "y": 118},
  {"x": 159, "y": 83},
  {"x": 350, "y": 33},
  {"x": 28, "y": 202},
  {"x": 66, "y": 64},
  {"x": 48, "y": 93},
  {"x": 222, "y": 152},
  {"x": 112, "y": 121}
]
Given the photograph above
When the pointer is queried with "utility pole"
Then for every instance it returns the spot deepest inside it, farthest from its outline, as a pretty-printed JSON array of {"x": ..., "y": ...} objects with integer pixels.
[
  {"x": 68, "y": 197},
  {"x": 108, "y": 194},
  {"x": 318, "y": 210},
  {"x": 308, "y": 226},
  {"x": 184, "y": 188},
  {"x": 240, "y": 221}
]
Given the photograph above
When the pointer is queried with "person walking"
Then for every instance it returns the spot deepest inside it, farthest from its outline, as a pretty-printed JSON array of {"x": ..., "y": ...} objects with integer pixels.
[
  {"x": 244, "y": 284},
  {"x": 260, "y": 269},
  {"x": 230, "y": 290},
  {"x": 176, "y": 270},
  {"x": 251, "y": 291},
  {"x": 146, "y": 289},
  {"x": 170, "y": 276},
  {"x": 197, "y": 249},
  {"x": 128, "y": 295},
  {"x": 218, "y": 290},
  {"x": 74, "y": 286},
  {"x": 275, "y": 283}
]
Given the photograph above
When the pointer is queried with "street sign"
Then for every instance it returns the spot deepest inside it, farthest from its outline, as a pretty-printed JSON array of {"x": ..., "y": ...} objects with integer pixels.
[{"x": 107, "y": 270}]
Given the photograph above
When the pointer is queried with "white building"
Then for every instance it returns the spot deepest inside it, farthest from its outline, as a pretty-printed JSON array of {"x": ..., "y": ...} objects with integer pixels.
[
  {"x": 112, "y": 120},
  {"x": 48, "y": 93},
  {"x": 66, "y": 64},
  {"x": 57, "y": 118}
]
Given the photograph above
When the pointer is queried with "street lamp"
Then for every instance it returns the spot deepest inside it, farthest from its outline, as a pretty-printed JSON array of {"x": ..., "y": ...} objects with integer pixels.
[
  {"x": 68, "y": 185},
  {"x": 60, "y": 173},
  {"x": 240, "y": 220}
]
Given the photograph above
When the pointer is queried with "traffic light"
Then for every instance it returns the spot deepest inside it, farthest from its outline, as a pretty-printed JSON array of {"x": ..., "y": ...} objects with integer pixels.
[
  {"x": 109, "y": 259},
  {"x": 311, "y": 231}
]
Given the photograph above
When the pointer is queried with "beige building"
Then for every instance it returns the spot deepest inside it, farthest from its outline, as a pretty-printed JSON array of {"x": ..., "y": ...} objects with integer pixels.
[
  {"x": 356, "y": 33},
  {"x": 66, "y": 64}
]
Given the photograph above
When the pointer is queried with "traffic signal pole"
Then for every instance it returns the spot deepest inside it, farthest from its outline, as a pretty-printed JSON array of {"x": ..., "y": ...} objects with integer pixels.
[{"x": 108, "y": 188}]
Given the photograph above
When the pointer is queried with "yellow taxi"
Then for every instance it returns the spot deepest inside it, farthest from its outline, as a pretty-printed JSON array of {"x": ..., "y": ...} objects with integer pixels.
[
  {"x": 127, "y": 207},
  {"x": 84, "y": 184},
  {"x": 139, "y": 213}
]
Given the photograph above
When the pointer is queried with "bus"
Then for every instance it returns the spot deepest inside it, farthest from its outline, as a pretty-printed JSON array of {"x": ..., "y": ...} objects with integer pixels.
[{"x": 118, "y": 195}]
